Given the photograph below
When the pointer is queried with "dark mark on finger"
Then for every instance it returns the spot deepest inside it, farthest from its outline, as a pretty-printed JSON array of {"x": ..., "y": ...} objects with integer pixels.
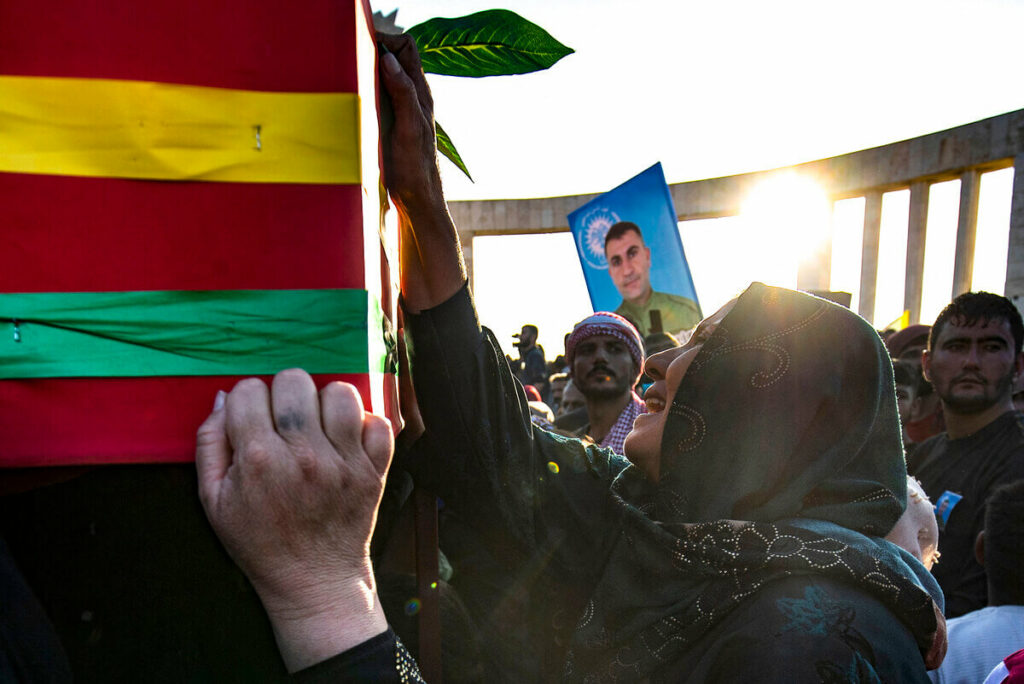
[{"x": 290, "y": 420}]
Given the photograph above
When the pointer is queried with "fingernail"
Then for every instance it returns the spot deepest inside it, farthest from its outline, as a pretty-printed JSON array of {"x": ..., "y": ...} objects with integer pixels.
[
  {"x": 390, "y": 64},
  {"x": 218, "y": 401}
]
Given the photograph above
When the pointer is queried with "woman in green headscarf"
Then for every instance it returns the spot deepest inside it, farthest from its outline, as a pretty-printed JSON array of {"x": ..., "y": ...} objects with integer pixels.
[
  {"x": 746, "y": 539},
  {"x": 766, "y": 471}
]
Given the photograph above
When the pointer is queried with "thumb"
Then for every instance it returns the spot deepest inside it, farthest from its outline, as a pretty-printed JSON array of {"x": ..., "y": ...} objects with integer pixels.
[
  {"x": 213, "y": 452},
  {"x": 378, "y": 442}
]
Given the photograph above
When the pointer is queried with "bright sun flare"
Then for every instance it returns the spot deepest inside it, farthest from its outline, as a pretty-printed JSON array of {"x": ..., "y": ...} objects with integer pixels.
[{"x": 787, "y": 218}]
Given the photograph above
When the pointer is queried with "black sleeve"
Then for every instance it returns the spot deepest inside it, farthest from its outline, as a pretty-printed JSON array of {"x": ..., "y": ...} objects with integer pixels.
[
  {"x": 382, "y": 658},
  {"x": 486, "y": 459}
]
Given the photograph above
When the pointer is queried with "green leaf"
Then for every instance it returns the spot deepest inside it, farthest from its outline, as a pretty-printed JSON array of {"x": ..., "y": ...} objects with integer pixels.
[
  {"x": 489, "y": 43},
  {"x": 447, "y": 148}
]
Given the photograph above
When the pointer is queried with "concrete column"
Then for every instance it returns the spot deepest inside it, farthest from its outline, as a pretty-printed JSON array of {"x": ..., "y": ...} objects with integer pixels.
[
  {"x": 466, "y": 238},
  {"x": 869, "y": 254},
  {"x": 1015, "y": 258},
  {"x": 814, "y": 272},
  {"x": 966, "y": 231},
  {"x": 917, "y": 230}
]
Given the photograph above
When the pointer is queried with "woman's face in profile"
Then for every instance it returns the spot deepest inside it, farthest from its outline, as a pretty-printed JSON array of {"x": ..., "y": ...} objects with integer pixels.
[{"x": 666, "y": 369}]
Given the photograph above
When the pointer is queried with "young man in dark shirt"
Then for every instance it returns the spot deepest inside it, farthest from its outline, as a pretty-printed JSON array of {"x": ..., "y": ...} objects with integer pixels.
[{"x": 973, "y": 359}]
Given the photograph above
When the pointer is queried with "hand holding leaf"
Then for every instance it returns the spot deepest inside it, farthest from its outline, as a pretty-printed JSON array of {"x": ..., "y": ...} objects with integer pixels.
[{"x": 490, "y": 43}]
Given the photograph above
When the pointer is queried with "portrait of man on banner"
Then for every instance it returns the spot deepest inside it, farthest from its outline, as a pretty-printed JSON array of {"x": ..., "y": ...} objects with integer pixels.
[{"x": 632, "y": 257}]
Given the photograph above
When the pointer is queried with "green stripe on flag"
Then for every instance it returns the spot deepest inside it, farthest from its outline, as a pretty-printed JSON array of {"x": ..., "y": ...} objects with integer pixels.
[{"x": 163, "y": 333}]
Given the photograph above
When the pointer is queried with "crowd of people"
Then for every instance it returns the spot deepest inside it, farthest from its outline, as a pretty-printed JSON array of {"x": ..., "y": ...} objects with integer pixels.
[
  {"x": 956, "y": 386},
  {"x": 746, "y": 532},
  {"x": 765, "y": 498}
]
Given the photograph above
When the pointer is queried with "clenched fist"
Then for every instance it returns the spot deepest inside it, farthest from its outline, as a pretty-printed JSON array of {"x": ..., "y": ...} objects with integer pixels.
[{"x": 290, "y": 480}]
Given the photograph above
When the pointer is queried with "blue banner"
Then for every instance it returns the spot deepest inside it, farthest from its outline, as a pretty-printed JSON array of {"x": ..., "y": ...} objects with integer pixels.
[{"x": 632, "y": 257}]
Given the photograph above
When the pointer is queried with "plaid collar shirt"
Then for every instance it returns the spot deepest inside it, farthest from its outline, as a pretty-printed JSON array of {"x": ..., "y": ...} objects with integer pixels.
[{"x": 616, "y": 437}]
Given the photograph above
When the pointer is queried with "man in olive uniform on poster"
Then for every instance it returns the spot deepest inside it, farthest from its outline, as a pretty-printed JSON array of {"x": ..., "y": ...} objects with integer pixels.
[{"x": 629, "y": 265}]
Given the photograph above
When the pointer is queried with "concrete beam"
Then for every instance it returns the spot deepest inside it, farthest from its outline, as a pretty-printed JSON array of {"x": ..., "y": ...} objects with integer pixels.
[
  {"x": 983, "y": 146},
  {"x": 869, "y": 254},
  {"x": 467, "y": 256},
  {"x": 966, "y": 232},
  {"x": 917, "y": 230},
  {"x": 1015, "y": 258}
]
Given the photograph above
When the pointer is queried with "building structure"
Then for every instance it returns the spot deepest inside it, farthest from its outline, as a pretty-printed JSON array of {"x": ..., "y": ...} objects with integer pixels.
[{"x": 964, "y": 153}]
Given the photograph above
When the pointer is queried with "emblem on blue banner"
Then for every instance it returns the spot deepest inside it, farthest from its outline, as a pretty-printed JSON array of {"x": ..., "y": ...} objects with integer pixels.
[{"x": 590, "y": 240}]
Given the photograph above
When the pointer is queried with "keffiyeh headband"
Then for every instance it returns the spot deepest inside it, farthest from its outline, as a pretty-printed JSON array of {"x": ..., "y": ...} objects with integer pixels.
[{"x": 607, "y": 323}]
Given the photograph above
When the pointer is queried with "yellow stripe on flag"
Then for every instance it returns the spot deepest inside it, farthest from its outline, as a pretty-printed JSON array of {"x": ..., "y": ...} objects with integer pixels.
[{"x": 140, "y": 129}]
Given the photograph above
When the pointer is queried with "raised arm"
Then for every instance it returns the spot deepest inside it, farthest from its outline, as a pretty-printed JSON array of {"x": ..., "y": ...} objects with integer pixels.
[
  {"x": 487, "y": 457},
  {"x": 432, "y": 269}
]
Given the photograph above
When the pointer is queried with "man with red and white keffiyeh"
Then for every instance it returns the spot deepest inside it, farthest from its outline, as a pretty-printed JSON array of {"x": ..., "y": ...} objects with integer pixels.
[{"x": 605, "y": 356}]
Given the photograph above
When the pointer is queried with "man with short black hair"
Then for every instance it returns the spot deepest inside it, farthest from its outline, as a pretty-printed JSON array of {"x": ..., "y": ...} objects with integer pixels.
[
  {"x": 973, "y": 359},
  {"x": 629, "y": 265},
  {"x": 980, "y": 639},
  {"x": 1001, "y": 547}
]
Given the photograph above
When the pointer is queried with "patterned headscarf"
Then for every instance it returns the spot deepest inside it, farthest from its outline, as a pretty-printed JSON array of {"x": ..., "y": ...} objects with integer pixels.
[
  {"x": 786, "y": 420},
  {"x": 810, "y": 385},
  {"x": 612, "y": 324}
]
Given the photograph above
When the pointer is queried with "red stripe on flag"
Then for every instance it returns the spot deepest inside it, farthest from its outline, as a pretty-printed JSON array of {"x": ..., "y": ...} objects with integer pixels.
[
  {"x": 271, "y": 46},
  {"x": 112, "y": 420},
  {"x": 64, "y": 234}
]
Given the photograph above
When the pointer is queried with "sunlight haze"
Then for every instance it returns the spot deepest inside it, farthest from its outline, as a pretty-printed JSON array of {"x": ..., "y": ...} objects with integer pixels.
[{"x": 712, "y": 89}]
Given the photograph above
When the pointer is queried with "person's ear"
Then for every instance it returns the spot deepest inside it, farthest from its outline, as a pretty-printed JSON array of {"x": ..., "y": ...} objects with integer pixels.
[
  {"x": 926, "y": 364},
  {"x": 979, "y": 548}
]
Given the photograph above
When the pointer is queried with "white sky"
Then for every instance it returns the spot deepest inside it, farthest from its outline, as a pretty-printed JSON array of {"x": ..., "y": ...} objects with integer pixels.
[{"x": 715, "y": 88}]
